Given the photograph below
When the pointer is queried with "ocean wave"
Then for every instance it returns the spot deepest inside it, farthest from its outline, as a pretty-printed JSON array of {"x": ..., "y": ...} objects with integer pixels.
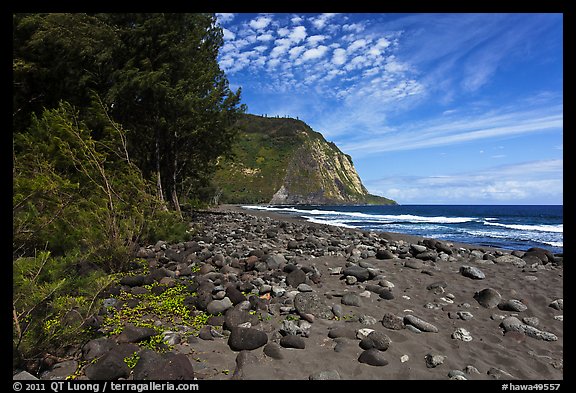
[
  {"x": 542, "y": 237},
  {"x": 559, "y": 228},
  {"x": 383, "y": 218}
]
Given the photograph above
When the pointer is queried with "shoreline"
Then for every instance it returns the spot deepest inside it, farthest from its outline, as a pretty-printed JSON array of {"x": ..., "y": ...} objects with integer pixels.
[{"x": 393, "y": 236}]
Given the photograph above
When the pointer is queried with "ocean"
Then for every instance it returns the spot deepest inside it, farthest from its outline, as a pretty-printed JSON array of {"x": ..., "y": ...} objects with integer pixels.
[{"x": 512, "y": 227}]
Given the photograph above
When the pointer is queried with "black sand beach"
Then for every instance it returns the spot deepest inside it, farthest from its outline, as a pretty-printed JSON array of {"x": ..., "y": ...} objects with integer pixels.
[{"x": 293, "y": 300}]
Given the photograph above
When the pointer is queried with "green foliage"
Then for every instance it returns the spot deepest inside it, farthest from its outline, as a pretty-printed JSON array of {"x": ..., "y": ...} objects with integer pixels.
[
  {"x": 168, "y": 306},
  {"x": 52, "y": 302},
  {"x": 80, "y": 201},
  {"x": 132, "y": 360}
]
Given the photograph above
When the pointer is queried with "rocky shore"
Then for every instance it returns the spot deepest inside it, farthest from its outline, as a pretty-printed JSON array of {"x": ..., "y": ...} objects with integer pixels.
[{"x": 261, "y": 296}]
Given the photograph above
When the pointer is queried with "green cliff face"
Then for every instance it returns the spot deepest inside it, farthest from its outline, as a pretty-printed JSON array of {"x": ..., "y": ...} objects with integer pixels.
[{"x": 283, "y": 161}]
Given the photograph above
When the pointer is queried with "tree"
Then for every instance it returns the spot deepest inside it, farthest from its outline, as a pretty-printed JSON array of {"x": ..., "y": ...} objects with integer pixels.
[
  {"x": 171, "y": 95},
  {"x": 59, "y": 56},
  {"x": 157, "y": 73}
]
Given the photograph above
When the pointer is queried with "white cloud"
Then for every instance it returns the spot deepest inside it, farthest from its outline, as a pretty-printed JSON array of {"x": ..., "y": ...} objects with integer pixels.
[
  {"x": 295, "y": 51},
  {"x": 296, "y": 19},
  {"x": 360, "y": 43},
  {"x": 339, "y": 56},
  {"x": 260, "y": 48},
  {"x": 321, "y": 20},
  {"x": 353, "y": 27},
  {"x": 278, "y": 51},
  {"x": 265, "y": 37},
  {"x": 298, "y": 34},
  {"x": 228, "y": 35},
  {"x": 283, "y": 31},
  {"x": 260, "y": 23},
  {"x": 314, "y": 39},
  {"x": 517, "y": 183},
  {"x": 393, "y": 66},
  {"x": 465, "y": 129},
  {"x": 314, "y": 53}
]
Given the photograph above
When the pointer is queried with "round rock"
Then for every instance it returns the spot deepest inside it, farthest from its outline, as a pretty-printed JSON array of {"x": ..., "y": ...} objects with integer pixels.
[
  {"x": 361, "y": 274},
  {"x": 351, "y": 299},
  {"x": 420, "y": 324},
  {"x": 488, "y": 298},
  {"x": 392, "y": 322},
  {"x": 246, "y": 338},
  {"x": 372, "y": 357},
  {"x": 292, "y": 341},
  {"x": 472, "y": 272},
  {"x": 377, "y": 340},
  {"x": 310, "y": 303},
  {"x": 512, "y": 305},
  {"x": 434, "y": 360},
  {"x": 219, "y": 306}
]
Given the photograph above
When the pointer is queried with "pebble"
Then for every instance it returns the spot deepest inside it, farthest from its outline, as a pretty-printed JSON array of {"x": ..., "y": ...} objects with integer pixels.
[
  {"x": 392, "y": 322},
  {"x": 361, "y": 273},
  {"x": 292, "y": 341},
  {"x": 420, "y": 324},
  {"x": 462, "y": 334},
  {"x": 488, "y": 298},
  {"x": 434, "y": 360},
  {"x": 219, "y": 306},
  {"x": 363, "y": 333},
  {"x": 325, "y": 375},
  {"x": 246, "y": 338},
  {"x": 310, "y": 303},
  {"x": 351, "y": 299},
  {"x": 512, "y": 305},
  {"x": 373, "y": 357},
  {"x": 558, "y": 304},
  {"x": 273, "y": 350},
  {"x": 514, "y": 324},
  {"x": 377, "y": 340},
  {"x": 472, "y": 272}
]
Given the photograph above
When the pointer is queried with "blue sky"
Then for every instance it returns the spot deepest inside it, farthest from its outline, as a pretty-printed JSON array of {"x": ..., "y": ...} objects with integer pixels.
[{"x": 433, "y": 108}]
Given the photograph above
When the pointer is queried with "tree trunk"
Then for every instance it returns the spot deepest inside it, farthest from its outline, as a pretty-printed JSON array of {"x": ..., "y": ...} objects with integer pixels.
[
  {"x": 175, "y": 200},
  {"x": 159, "y": 176}
]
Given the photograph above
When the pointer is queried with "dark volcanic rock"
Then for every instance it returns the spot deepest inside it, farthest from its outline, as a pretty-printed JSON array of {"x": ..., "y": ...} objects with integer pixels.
[
  {"x": 488, "y": 298},
  {"x": 392, "y": 322},
  {"x": 377, "y": 340},
  {"x": 472, "y": 272},
  {"x": 385, "y": 254},
  {"x": 96, "y": 348},
  {"x": 132, "y": 281},
  {"x": 512, "y": 305},
  {"x": 168, "y": 366},
  {"x": 310, "y": 303},
  {"x": 362, "y": 274},
  {"x": 246, "y": 338},
  {"x": 234, "y": 294},
  {"x": 372, "y": 357},
  {"x": 351, "y": 299},
  {"x": 134, "y": 334},
  {"x": 273, "y": 350},
  {"x": 420, "y": 324},
  {"x": 296, "y": 277},
  {"x": 111, "y": 365},
  {"x": 292, "y": 341}
]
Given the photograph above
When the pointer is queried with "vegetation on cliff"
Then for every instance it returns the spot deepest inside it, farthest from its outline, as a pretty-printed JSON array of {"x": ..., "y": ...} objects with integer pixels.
[{"x": 284, "y": 161}]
